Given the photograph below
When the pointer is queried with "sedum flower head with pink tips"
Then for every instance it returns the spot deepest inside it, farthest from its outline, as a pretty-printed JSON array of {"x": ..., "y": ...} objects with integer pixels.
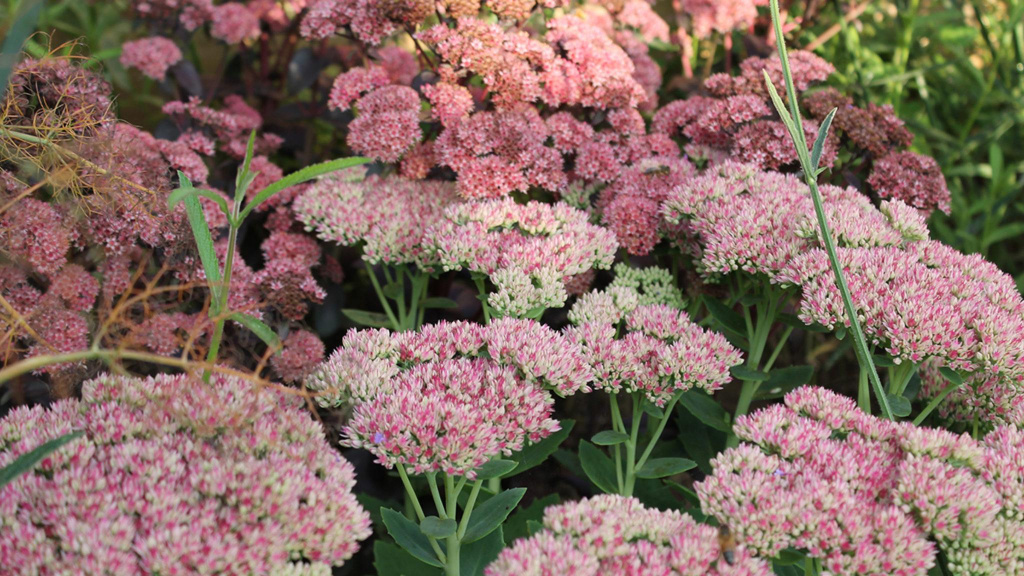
[
  {"x": 612, "y": 534},
  {"x": 390, "y": 216},
  {"x": 451, "y": 396},
  {"x": 636, "y": 344},
  {"x": 528, "y": 251},
  {"x": 176, "y": 476},
  {"x": 867, "y": 495}
]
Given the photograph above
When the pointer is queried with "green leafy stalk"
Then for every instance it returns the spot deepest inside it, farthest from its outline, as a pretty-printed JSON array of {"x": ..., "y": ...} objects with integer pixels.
[
  {"x": 793, "y": 122},
  {"x": 27, "y": 461}
]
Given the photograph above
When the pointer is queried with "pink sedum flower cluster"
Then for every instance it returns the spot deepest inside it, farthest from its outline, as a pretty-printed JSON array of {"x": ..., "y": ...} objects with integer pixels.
[
  {"x": 451, "y": 396},
  {"x": 914, "y": 178},
  {"x": 528, "y": 251},
  {"x": 869, "y": 496},
  {"x": 612, "y": 534},
  {"x": 151, "y": 56},
  {"x": 722, "y": 16},
  {"x": 636, "y": 343},
  {"x": 175, "y": 476},
  {"x": 760, "y": 222},
  {"x": 390, "y": 216}
]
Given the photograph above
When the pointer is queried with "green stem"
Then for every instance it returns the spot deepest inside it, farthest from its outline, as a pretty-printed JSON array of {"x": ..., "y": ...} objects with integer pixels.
[
  {"x": 811, "y": 178},
  {"x": 470, "y": 503},
  {"x": 863, "y": 392},
  {"x": 669, "y": 408},
  {"x": 454, "y": 542},
  {"x": 931, "y": 406},
  {"x": 758, "y": 333},
  {"x": 482, "y": 291},
  {"x": 419, "y": 510},
  {"x": 631, "y": 444},
  {"x": 618, "y": 426},
  {"x": 383, "y": 299},
  {"x": 221, "y": 309},
  {"x": 436, "y": 494}
]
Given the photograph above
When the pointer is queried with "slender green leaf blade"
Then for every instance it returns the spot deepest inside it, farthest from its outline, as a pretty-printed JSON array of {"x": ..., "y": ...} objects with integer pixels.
[
  {"x": 204, "y": 242},
  {"x": 257, "y": 327},
  {"x": 244, "y": 177},
  {"x": 27, "y": 461},
  {"x": 366, "y": 318},
  {"x": 179, "y": 194},
  {"x": 300, "y": 176},
  {"x": 819, "y": 142}
]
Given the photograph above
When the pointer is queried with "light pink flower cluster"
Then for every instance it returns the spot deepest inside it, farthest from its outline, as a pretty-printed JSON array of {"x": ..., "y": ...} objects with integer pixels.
[
  {"x": 759, "y": 222},
  {"x": 495, "y": 153},
  {"x": 451, "y": 396},
  {"x": 526, "y": 250},
  {"x": 175, "y": 476},
  {"x": 389, "y": 215},
  {"x": 509, "y": 62},
  {"x": 984, "y": 399},
  {"x": 611, "y": 534},
  {"x": 301, "y": 353},
  {"x": 652, "y": 348},
  {"x": 869, "y": 496},
  {"x": 912, "y": 178},
  {"x": 151, "y": 56},
  {"x": 927, "y": 301},
  {"x": 722, "y": 16},
  {"x": 594, "y": 72}
]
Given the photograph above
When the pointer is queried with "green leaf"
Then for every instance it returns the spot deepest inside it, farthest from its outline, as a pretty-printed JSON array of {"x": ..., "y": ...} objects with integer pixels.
[
  {"x": 900, "y": 405},
  {"x": 475, "y": 557},
  {"x": 726, "y": 316},
  {"x": 705, "y": 409},
  {"x": 439, "y": 302},
  {"x": 780, "y": 106},
  {"x": 437, "y": 528},
  {"x": 744, "y": 373},
  {"x": 487, "y": 517},
  {"x": 782, "y": 380},
  {"x": 300, "y": 176},
  {"x": 367, "y": 318},
  {"x": 258, "y": 328},
  {"x": 391, "y": 560},
  {"x": 518, "y": 524},
  {"x": 598, "y": 467},
  {"x": 23, "y": 25},
  {"x": 392, "y": 290},
  {"x": 408, "y": 535},
  {"x": 373, "y": 505},
  {"x": 534, "y": 526},
  {"x": 819, "y": 142},
  {"x": 951, "y": 375},
  {"x": 609, "y": 438},
  {"x": 179, "y": 194},
  {"x": 204, "y": 243},
  {"x": 662, "y": 46},
  {"x": 662, "y": 467},
  {"x": 495, "y": 469},
  {"x": 27, "y": 461},
  {"x": 787, "y": 569},
  {"x": 538, "y": 452},
  {"x": 244, "y": 177}
]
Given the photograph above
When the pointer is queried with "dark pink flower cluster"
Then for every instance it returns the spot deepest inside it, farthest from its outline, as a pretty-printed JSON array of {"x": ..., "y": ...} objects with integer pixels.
[
  {"x": 451, "y": 396},
  {"x": 56, "y": 90},
  {"x": 913, "y": 178},
  {"x": 175, "y": 476},
  {"x": 234, "y": 23},
  {"x": 528, "y": 251},
  {"x": 387, "y": 124},
  {"x": 612, "y": 534},
  {"x": 737, "y": 121},
  {"x": 869, "y": 496},
  {"x": 190, "y": 13},
  {"x": 390, "y": 216},
  {"x": 229, "y": 126},
  {"x": 495, "y": 153},
  {"x": 301, "y": 353},
  {"x": 876, "y": 128},
  {"x": 151, "y": 56}
]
